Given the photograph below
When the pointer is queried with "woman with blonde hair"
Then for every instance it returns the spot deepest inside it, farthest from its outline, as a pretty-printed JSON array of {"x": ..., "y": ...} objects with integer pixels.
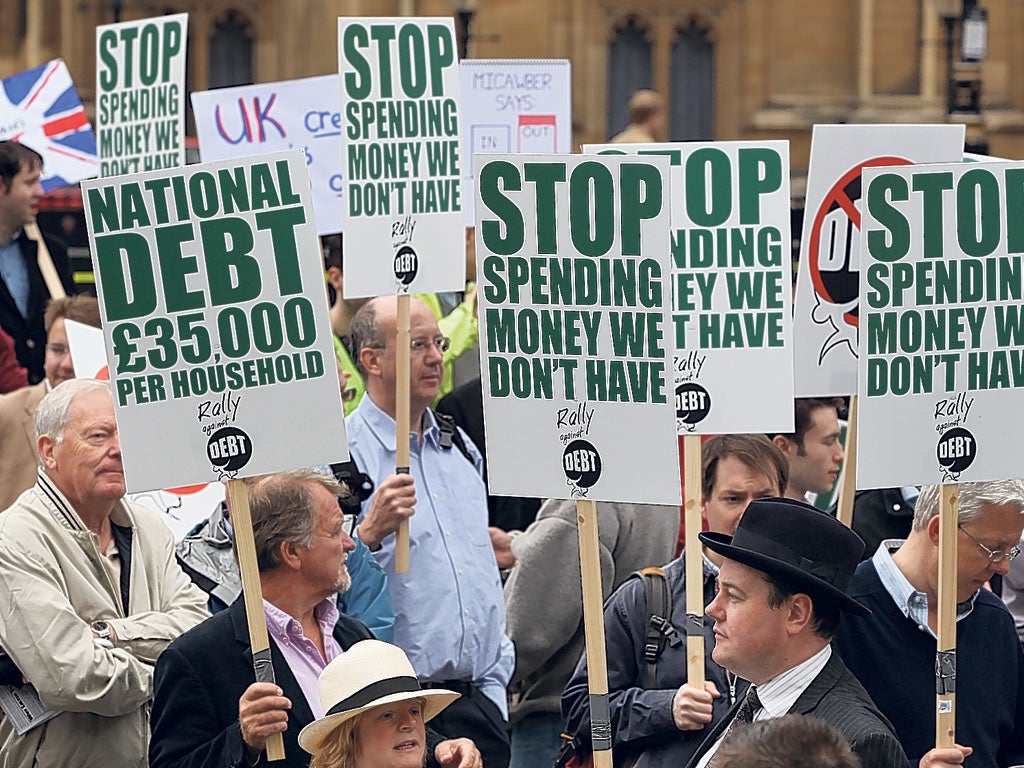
[{"x": 375, "y": 711}]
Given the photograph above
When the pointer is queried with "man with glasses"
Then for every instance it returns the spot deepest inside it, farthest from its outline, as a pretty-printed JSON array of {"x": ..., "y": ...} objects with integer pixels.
[
  {"x": 449, "y": 610},
  {"x": 208, "y": 708},
  {"x": 17, "y": 409},
  {"x": 892, "y": 651},
  {"x": 207, "y": 555}
]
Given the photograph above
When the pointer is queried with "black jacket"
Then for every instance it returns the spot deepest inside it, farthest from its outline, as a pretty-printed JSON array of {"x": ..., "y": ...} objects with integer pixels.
[
  {"x": 198, "y": 681},
  {"x": 836, "y": 697},
  {"x": 28, "y": 332}
]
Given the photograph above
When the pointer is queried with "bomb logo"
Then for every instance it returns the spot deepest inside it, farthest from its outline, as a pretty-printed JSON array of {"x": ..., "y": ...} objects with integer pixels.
[
  {"x": 693, "y": 404},
  {"x": 406, "y": 266},
  {"x": 229, "y": 449},
  {"x": 833, "y": 257},
  {"x": 956, "y": 451},
  {"x": 582, "y": 466}
]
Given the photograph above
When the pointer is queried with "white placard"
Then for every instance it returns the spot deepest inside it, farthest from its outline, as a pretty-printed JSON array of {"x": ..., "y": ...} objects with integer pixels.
[
  {"x": 211, "y": 291},
  {"x": 732, "y": 284},
  {"x": 826, "y": 317},
  {"x": 575, "y": 327},
  {"x": 291, "y": 114},
  {"x": 513, "y": 106},
  {"x": 140, "y": 94},
  {"x": 943, "y": 311},
  {"x": 179, "y": 508},
  {"x": 399, "y": 83}
]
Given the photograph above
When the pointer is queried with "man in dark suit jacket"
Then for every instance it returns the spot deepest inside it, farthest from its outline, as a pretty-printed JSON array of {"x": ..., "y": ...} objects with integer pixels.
[
  {"x": 23, "y": 292},
  {"x": 208, "y": 709},
  {"x": 781, "y": 593}
]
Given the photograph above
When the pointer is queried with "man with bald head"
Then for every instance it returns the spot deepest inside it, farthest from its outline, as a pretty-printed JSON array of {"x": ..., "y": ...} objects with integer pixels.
[
  {"x": 449, "y": 609},
  {"x": 91, "y": 592}
]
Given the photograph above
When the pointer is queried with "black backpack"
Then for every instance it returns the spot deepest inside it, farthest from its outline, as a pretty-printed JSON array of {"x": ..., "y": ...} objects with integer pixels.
[{"x": 576, "y": 749}]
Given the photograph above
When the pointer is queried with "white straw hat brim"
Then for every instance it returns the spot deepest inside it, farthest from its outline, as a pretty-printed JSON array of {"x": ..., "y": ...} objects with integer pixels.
[{"x": 436, "y": 699}]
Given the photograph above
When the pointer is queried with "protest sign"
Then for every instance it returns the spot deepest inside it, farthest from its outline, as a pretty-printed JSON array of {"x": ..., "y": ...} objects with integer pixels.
[
  {"x": 211, "y": 291},
  {"x": 576, "y": 347},
  {"x": 140, "y": 94},
  {"x": 513, "y": 106},
  {"x": 943, "y": 323},
  {"x": 399, "y": 86},
  {"x": 41, "y": 109},
  {"x": 291, "y": 114},
  {"x": 732, "y": 284},
  {"x": 827, "y": 312},
  {"x": 179, "y": 508}
]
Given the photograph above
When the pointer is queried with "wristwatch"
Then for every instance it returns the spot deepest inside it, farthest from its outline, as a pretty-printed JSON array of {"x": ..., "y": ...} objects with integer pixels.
[{"x": 102, "y": 630}]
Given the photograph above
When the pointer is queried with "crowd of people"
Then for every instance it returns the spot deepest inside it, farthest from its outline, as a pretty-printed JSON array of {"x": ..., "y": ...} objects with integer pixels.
[{"x": 124, "y": 647}]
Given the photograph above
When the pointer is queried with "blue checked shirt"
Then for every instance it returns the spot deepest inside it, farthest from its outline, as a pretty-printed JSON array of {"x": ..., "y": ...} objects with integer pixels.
[
  {"x": 912, "y": 603},
  {"x": 449, "y": 607}
]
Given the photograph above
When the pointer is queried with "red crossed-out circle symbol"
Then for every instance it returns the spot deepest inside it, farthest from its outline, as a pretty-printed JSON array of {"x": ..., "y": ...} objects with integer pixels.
[{"x": 839, "y": 284}]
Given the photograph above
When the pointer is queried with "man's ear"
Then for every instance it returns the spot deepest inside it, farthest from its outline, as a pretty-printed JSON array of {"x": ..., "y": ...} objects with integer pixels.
[
  {"x": 933, "y": 530},
  {"x": 785, "y": 445},
  {"x": 44, "y": 446},
  {"x": 801, "y": 611},
  {"x": 370, "y": 359},
  {"x": 291, "y": 555},
  {"x": 334, "y": 278}
]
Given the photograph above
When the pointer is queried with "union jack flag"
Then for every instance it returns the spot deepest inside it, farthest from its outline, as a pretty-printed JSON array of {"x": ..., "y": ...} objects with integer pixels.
[{"x": 41, "y": 109}]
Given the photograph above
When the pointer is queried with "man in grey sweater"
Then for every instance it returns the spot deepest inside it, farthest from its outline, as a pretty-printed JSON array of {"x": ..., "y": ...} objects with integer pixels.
[{"x": 544, "y": 605}]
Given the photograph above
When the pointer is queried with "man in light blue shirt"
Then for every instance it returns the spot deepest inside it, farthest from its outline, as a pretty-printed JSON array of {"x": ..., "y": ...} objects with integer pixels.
[{"x": 449, "y": 609}]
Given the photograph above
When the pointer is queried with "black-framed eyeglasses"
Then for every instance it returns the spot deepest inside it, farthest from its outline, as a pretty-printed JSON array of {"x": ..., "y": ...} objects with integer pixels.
[
  {"x": 348, "y": 525},
  {"x": 994, "y": 555}
]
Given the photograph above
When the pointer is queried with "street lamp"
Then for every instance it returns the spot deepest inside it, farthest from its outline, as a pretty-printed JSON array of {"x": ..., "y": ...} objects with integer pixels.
[
  {"x": 465, "y": 10},
  {"x": 974, "y": 35},
  {"x": 964, "y": 76}
]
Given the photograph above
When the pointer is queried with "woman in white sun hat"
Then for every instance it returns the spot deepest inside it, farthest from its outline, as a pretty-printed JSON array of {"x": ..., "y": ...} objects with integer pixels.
[{"x": 375, "y": 711}]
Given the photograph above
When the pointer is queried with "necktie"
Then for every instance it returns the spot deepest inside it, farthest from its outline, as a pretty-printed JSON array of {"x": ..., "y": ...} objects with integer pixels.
[{"x": 744, "y": 716}]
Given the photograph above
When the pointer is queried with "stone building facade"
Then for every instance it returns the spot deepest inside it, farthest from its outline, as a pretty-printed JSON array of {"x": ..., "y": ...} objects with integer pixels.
[{"x": 731, "y": 69}]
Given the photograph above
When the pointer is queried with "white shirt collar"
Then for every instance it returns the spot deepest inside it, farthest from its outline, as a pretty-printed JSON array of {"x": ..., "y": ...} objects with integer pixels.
[{"x": 780, "y": 693}]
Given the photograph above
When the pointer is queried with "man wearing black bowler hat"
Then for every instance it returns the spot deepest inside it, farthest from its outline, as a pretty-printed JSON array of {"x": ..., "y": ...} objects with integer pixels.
[{"x": 781, "y": 593}]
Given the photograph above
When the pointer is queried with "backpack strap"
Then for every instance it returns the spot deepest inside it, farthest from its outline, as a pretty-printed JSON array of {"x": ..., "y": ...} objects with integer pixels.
[
  {"x": 360, "y": 485},
  {"x": 450, "y": 435},
  {"x": 659, "y": 630}
]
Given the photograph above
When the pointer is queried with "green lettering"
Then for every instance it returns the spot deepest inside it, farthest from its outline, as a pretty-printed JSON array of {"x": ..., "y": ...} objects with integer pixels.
[
  {"x": 893, "y": 243},
  {"x": 760, "y": 171},
  {"x": 232, "y": 272},
  {"x": 175, "y": 266},
  {"x": 495, "y": 177},
  {"x": 545, "y": 176}
]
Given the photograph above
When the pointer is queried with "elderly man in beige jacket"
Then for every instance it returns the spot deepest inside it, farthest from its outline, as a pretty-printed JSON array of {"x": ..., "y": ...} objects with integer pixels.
[{"x": 90, "y": 593}]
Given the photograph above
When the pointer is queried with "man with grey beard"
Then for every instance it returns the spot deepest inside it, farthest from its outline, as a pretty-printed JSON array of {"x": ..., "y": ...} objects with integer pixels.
[{"x": 208, "y": 709}]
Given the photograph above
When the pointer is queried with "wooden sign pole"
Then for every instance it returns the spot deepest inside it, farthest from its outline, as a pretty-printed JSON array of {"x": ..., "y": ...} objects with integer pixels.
[
  {"x": 593, "y": 628},
  {"x": 945, "y": 654},
  {"x": 241, "y": 521},
  {"x": 848, "y": 483},
  {"x": 402, "y": 350},
  {"x": 694, "y": 563},
  {"x": 45, "y": 262}
]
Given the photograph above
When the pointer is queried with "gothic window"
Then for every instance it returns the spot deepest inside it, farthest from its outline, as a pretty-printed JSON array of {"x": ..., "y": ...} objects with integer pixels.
[
  {"x": 231, "y": 51},
  {"x": 629, "y": 70},
  {"x": 692, "y": 97}
]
